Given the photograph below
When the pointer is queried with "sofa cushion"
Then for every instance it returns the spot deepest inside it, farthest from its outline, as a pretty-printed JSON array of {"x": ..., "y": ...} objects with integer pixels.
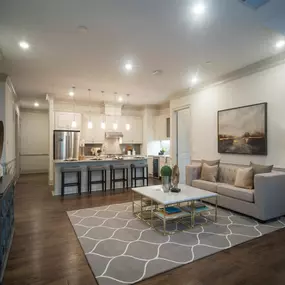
[
  {"x": 244, "y": 178},
  {"x": 227, "y": 174},
  {"x": 209, "y": 173},
  {"x": 211, "y": 162},
  {"x": 235, "y": 192},
  {"x": 205, "y": 185}
]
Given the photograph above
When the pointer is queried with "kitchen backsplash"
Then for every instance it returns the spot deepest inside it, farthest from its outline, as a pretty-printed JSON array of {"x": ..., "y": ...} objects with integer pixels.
[{"x": 112, "y": 147}]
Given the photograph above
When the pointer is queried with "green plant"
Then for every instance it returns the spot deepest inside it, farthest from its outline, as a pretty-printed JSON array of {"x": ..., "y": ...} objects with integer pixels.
[{"x": 166, "y": 171}]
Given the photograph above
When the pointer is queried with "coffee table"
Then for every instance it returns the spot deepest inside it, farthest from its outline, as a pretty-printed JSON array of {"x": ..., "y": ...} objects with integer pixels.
[{"x": 159, "y": 201}]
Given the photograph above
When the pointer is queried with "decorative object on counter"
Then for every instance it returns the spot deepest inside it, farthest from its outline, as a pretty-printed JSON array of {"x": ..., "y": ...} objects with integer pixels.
[
  {"x": 162, "y": 151},
  {"x": 166, "y": 173},
  {"x": 81, "y": 150},
  {"x": 1, "y": 146},
  {"x": 175, "y": 179}
]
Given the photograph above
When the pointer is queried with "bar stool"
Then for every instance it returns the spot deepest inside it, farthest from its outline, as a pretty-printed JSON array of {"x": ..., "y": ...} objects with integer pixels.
[
  {"x": 135, "y": 178},
  {"x": 124, "y": 170},
  {"x": 65, "y": 170},
  {"x": 103, "y": 180}
]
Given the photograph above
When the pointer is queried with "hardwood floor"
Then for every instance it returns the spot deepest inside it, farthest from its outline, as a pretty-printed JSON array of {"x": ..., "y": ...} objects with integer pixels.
[{"x": 45, "y": 249}]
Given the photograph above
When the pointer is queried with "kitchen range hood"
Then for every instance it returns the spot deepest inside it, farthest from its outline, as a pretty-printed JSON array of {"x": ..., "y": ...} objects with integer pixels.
[{"x": 113, "y": 135}]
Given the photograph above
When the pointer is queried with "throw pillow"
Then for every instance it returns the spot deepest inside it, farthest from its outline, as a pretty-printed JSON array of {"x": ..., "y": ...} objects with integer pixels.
[
  {"x": 209, "y": 173},
  {"x": 259, "y": 168},
  {"x": 211, "y": 162},
  {"x": 244, "y": 178}
]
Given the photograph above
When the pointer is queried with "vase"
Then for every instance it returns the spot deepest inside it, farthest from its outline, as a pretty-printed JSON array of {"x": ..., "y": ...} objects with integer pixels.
[{"x": 165, "y": 183}]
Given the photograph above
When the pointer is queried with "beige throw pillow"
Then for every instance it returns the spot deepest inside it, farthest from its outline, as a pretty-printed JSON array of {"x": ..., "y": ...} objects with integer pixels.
[
  {"x": 244, "y": 178},
  {"x": 209, "y": 173}
]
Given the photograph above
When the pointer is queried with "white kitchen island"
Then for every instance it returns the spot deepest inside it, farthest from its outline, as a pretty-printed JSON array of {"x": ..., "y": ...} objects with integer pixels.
[{"x": 83, "y": 164}]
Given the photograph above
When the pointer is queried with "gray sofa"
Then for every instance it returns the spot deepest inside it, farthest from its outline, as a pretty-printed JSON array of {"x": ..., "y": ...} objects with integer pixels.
[{"x": 266, "y": 201}]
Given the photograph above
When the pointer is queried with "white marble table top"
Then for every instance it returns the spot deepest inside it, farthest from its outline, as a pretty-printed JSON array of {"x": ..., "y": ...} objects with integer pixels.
[{"x": 187, "y": 193}]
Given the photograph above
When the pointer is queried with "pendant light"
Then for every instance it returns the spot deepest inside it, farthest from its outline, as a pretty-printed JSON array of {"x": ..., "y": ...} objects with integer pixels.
[
  {"x": 73, "y": 124},
  {"x": 115, "y": 124},
  {"x": 90, "y": 124},
  {"x": 103, "y": 122},
  {"x": 128, "y": 126}
]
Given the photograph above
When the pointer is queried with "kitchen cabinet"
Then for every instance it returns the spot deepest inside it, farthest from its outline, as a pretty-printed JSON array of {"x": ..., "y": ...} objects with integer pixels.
[
  {"x": 63, "y": 121},
  {"x": 135, "y": 134},
  {"x": 162, "y": 127},
  {"x": 96, "y": 134}
]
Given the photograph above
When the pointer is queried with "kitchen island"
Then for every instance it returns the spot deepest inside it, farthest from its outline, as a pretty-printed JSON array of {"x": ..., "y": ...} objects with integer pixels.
[{"x": 84, "y": 164}]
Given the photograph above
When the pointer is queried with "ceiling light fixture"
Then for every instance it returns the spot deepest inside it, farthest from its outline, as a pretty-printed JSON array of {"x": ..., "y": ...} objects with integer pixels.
[
  {"x": 128, "y": 126},
  {"x": 90, "y": 124},
  {"x": 36, "y": 104},
  {"x": 115, "y": 126},
  {"x": 129, "y": 66},
  {"x": 199, "y": 9},
  {"x": 103, "y": 122},
  {"x": 120, "y": 99},
  {"x": 194, "y": 80},
  {"x": 280, "y": 44},
  {"x": 24, "y": 45},
  {"x": 73, "y": 124},
  {"x": 72, "y": 92}
]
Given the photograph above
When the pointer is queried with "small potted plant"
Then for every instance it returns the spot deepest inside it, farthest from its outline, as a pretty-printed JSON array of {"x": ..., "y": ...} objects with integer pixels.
[{"x": 166, "y": 173}]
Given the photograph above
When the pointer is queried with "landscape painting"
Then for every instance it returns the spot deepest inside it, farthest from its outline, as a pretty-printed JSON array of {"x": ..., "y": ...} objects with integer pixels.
[{"x": 243, "y": 130}]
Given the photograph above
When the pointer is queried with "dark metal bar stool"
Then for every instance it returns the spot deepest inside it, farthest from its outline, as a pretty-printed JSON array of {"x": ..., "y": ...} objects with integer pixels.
[
  {"x": 135, "y": 178},
  {"x": 65, "y": 170},
  {"x": 124, "y": 170},
  {"x": 103, "y": 180}
]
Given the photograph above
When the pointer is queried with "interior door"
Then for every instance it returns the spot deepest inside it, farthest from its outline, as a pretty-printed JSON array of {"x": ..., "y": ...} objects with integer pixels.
[{"x": 183, "y": 141}]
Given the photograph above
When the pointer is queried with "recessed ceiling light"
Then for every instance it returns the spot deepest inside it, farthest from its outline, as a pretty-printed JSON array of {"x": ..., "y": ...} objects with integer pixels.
[
  {"x": 36, "y": 104},
  {"x": 24, "y": 45},
  {"x": 194, "y": 80},
  {"x": 198, "y": 9},
  {"x": 280, "y": 44},
  {"x": 128, "y": 66},
  {"x": 120, "y": 99}
]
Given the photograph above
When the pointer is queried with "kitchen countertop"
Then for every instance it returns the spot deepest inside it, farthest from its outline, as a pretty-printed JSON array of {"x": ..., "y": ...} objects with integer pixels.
[{"x": 90, "y": 160}]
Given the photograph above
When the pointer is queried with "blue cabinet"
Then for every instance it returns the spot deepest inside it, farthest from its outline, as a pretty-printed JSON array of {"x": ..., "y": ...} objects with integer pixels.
[{"x": 6, "y": 220}]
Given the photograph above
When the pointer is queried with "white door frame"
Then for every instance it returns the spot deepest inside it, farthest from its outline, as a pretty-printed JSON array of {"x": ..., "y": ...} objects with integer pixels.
[{"x": 174, "y": 132}]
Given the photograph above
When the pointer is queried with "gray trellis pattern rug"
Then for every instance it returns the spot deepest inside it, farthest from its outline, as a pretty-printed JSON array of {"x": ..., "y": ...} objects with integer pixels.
[{"x": 121, "y": 249}]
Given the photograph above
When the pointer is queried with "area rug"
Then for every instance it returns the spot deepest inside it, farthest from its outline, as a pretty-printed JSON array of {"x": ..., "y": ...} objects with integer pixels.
[{"x": 121, "y": 249}]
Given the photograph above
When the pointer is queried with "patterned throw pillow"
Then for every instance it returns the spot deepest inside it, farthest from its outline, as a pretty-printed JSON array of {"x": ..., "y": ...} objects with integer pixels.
[
  {"x": 209, "y": 173},
  {"x": 244, "y": 178}
]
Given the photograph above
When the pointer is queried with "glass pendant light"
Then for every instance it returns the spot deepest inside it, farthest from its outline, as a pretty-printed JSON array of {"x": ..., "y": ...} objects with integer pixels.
[
  {"x": 90, "y": 124},
  {"x": 73, "y": 124},
  {"x": 128, "y": 126},
  {"x": 115, "y": 126},
  {"x": 103, "y": 122}
]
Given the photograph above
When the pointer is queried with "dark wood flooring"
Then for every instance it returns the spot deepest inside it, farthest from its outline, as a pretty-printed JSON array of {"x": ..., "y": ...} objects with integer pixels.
[{"x": 46, "y": 251}]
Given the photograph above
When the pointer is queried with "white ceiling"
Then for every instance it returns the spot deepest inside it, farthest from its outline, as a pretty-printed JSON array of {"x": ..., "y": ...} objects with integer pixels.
[{"x": 154, "y": 34}]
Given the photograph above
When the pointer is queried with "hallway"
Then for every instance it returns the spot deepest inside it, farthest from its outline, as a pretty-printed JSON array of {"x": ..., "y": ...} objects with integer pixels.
[{"x": 45, "y": 249}]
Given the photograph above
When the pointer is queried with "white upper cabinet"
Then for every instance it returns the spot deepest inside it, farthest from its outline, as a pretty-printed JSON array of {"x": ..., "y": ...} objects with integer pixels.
[
  {"x": 96, "y": 134},
  {"x": 162, "y": 128},
  {"x": 135, "y": 134},
  {"x": 63, "y": 121}
]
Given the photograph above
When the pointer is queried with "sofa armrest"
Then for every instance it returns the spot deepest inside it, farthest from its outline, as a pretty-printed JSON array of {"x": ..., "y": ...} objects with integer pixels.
[
  {"x": 269, "y": 195},
  {"x": 193, "y": 172}
]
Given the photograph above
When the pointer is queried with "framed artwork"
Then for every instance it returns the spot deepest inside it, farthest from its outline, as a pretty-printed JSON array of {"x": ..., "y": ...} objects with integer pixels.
[{"x": 243, "y": 130}]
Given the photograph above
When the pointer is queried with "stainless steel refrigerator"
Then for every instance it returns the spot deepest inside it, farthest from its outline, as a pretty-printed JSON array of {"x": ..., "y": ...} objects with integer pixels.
[{"x": 66, "y": 144}]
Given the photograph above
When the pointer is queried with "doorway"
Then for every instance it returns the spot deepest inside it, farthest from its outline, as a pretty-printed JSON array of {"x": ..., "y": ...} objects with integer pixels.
[{"x": 183, "y": 141}]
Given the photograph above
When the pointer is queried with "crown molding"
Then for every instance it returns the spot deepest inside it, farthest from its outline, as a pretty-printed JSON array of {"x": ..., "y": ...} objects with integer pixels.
[{"x": 250, "y": 69}]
